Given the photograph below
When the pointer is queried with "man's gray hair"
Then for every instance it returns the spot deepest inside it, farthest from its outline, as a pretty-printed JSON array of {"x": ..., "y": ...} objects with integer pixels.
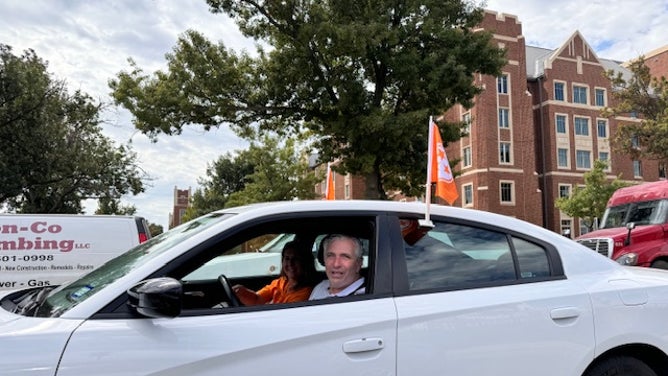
[{"x": 359, "y": 246}]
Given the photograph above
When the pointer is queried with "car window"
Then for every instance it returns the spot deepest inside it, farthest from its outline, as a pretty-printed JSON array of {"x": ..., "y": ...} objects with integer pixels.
[
  {"x": 252, "y": 257},
  {"x": 456, "y": 255}
]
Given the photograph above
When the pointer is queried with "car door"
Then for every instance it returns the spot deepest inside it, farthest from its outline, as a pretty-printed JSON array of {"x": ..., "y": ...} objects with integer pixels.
[
  {"x": 354, "y": 335},
  {"x": 482, "y": 301}
]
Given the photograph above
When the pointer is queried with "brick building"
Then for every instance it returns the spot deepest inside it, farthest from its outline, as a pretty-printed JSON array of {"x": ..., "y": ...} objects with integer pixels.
[
  {"x": 536, "y": 129},
  {"x": 181, "y": 203},
  {"x": 657, "y": 62}
]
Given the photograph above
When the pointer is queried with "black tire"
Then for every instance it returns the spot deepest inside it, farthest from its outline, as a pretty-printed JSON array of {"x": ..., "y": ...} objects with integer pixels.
[
  {"x": 621, "y": 366},
  {"x": 660, "y": 264}
]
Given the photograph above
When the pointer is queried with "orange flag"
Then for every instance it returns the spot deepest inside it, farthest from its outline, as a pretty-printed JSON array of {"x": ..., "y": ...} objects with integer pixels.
[
  {"x": 440, "y": 167},
  {"x": 329, "y": 192}
]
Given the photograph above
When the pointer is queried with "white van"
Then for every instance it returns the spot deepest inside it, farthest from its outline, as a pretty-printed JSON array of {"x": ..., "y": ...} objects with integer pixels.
[{"x": 49, "y": 249}]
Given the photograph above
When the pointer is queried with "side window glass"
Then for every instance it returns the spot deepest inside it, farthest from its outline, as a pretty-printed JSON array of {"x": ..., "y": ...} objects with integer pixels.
[
  {"x": 259, "y": 256},
  {"x": 532, "y": 259},
  {"x": 453, "y": 255},
  {"x": 269, "y": 263}
]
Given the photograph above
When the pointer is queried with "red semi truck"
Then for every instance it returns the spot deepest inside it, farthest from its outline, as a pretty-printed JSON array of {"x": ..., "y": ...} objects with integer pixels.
[{"x": 634, "y": 228}]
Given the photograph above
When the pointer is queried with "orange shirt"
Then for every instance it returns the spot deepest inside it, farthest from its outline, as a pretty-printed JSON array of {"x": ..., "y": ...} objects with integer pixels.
[{"x": 277, "y": 292}]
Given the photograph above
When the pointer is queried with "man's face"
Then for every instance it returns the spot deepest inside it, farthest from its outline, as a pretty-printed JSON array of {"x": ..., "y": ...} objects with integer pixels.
[{"x": 341, "y": 264}]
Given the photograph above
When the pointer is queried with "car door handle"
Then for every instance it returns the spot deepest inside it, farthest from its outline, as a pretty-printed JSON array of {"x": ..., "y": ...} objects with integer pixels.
[
  {"x": 564, "y": 313},
  {"x": 363, "y": 345}
]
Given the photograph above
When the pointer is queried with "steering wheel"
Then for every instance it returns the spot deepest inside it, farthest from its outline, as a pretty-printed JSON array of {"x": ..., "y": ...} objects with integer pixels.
[{"x": 234, "y": 301}]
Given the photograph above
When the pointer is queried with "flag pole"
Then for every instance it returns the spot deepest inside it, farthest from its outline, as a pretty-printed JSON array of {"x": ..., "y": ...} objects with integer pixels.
[{"x": 430, "y": 155}]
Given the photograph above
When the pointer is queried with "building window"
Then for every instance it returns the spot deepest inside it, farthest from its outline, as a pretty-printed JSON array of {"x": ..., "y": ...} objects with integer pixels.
[
  {"x": 504, "y": 120},
  {"x": 600, "y": 97},
  {"x": 504, "y": 149},
  {"x": 566, "y": 227},
  {"x": 346, "y": 189},
  {"x": 468, "y": 194},
  {"x": 581, "y": 126},
  {"x": 637, "y": 169},
  {"x": 507, "y": 192},
  {"x": 662, "y": 170},
  {"x": 502, "y": 84},
  {"x": 561, "y": 124},
  {"x": 602, "y": 128},
  {"x": 562, "y": 157},
  {"x": 564, "y": 191},
  {"x": 583, "y": 159},
  {"x": 466, "y": 119},
  {"x": 604, "y": 156},
  {"x": 635, "y": 142},
  {"x": 466, "y": 159},
  {"x": 559, "y": 91},
  {"x": 579, "y": 94}
]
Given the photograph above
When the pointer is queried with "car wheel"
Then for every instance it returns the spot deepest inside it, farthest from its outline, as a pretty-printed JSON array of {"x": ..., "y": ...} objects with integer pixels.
[
  {"x": 621, "y": 366},
  {"x": 660, "y": 264},
  {"x": 234, "y": 301}
]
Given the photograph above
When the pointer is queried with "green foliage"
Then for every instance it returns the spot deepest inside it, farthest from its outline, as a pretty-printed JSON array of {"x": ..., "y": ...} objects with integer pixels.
[
  {"x": 155, "y": 229},
  {"x": 281, "y": 173},
  {"x": 363, "y": 77},
  {"x": 227, "y": 175},
  {"x": 111, "y": 205},
  {"x": 647, "y": 97},
  {"x": 589, "y": 202},
  {"x": 52, "y": 151},
  {"x": 267, "y": 171}
]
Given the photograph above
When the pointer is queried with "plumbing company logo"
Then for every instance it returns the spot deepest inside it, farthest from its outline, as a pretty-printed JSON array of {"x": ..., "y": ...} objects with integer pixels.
[{"x": 39, "y": 235}]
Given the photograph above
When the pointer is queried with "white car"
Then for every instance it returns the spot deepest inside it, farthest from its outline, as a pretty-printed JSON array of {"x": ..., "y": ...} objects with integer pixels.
[{"x": 467, "y": 293}]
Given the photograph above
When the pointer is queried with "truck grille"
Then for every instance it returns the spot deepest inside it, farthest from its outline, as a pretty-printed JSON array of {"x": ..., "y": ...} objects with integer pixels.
[{"x": 600, "y": 245}]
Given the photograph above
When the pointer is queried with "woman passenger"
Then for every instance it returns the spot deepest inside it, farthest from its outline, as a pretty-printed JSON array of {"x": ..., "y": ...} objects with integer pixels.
[{"x": 294, "y": 284}]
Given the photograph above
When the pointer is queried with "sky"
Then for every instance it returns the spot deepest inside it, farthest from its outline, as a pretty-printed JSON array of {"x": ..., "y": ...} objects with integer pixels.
[{"x": 87, "y": 43}]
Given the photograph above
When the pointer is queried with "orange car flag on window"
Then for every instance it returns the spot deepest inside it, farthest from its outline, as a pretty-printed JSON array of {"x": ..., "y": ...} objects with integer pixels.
[
  {"x": 439, "y": 169},
  {"x": 329, "y": 191}
]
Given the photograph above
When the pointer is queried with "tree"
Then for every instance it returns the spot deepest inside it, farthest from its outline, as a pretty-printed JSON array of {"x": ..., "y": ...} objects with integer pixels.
[
  {"x": 645, "y": 97},
  {"x": 155, "y": 229},
  {"x": 589, "y": 202},
  {"x": 281, "y": 173},
  {"x": 112, "y": 205},
  {"x": 52, "y": 152},
  {"x": 362, "y": 76},
  {"x": 227, "y": 175},
  {"x": 267, "y": 171}
]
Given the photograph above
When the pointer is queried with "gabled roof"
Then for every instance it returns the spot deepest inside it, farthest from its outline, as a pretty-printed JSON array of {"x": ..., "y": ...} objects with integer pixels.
[{"x": 537, "y": 58}]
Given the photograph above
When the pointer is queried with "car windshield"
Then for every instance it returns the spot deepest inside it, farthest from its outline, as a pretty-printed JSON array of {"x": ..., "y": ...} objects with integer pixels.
[
  {"x": 640, "y": 213},
  {"x": 69, "y": 295}
]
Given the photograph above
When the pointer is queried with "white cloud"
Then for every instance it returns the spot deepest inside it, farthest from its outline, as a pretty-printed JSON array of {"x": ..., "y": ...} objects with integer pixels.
[
  {"x": 88, "y": 42},
  {"x": 616, "y": 29}
]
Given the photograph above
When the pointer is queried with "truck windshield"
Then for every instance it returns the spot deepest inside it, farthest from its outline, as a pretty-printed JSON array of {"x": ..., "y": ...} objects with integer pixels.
[{"x": 640, "y": 213}]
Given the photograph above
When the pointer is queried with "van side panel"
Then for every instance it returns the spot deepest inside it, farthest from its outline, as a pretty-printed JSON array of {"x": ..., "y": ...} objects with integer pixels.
[{"x": 42, "y": 250}]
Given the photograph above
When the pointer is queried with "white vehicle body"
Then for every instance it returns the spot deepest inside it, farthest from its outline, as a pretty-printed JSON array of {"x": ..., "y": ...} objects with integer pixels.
[
  {"x": 586, "y": 316},
  {"x": 50, "y": 249}
]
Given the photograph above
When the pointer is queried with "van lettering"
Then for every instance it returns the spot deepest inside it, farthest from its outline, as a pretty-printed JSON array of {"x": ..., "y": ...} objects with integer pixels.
[
  {"x": 38, "y": 283},
  {"x": 41, "y": 227}
]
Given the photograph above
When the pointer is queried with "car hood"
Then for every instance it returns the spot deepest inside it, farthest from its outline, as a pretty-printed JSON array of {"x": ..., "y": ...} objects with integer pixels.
[
  {"x": 6, "y": 317},
  {"x": 619, "y": 233}
]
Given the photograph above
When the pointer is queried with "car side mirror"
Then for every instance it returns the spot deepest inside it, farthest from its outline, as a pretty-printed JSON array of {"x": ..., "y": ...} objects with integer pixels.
[{"x": 157, "y": 297}]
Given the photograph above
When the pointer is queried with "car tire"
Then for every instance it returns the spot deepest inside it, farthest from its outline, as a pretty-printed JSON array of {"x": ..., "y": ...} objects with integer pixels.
[
  {"x": 660, "y": 264},
  {"x": 621, "y": 366}
]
